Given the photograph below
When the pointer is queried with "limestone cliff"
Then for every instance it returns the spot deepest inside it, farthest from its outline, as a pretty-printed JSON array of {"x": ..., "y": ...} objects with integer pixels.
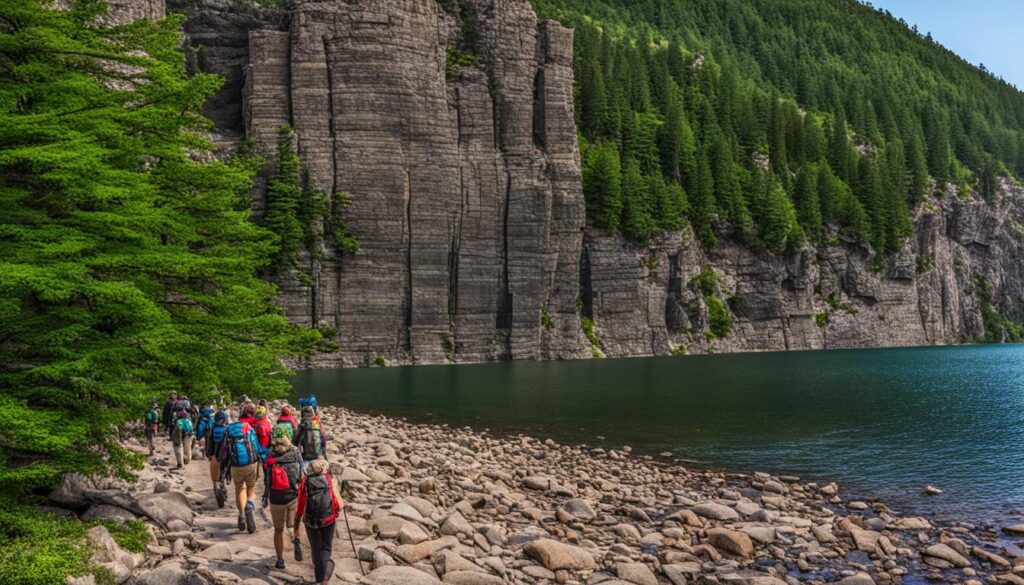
[{"x": 466, "y": 199}]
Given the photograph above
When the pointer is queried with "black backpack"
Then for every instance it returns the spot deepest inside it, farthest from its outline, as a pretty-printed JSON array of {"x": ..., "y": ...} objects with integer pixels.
[
  {"x": 284, "y": 473},
  {"x": 319, "y": 501}
]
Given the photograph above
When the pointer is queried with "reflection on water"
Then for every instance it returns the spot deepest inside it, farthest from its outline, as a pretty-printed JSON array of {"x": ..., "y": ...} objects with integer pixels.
[{"x": 883, "y": 421}]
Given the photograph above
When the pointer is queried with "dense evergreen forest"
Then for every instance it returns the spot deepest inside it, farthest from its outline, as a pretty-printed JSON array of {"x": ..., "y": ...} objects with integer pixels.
[
  {"x": 778, "y": 121},
  {"x": 130, "y": 266}
]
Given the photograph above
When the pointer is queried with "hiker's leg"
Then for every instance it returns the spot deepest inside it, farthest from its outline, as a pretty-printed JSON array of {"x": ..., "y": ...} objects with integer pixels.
[
  {"x": 177, "y": 452},
  {"x": 238, "y": 479},
  {"x": 327, "y": 550},
  {"x": 186, "y": 445},
  {"x": 250, "y": 481},
  {"x": 279, "y": 513},
  {"x": 214, "y": 471},
  {"x": 313, "y": 538}
]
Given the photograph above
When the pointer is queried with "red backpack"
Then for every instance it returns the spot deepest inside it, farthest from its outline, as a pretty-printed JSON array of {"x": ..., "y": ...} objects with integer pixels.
[{"x": 285, "y": 473}]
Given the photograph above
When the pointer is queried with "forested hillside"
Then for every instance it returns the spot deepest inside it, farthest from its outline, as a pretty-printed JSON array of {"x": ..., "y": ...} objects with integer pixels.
[{"x": 777, "y": 120}]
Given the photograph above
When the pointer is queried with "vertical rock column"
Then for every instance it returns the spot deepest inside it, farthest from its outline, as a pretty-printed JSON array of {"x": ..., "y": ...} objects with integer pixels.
[
  {"x": 506, "y": 41},
  {"x": 555, "y": 128}
]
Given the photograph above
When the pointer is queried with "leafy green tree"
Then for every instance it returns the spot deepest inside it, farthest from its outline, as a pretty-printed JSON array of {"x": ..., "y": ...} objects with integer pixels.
[{"x": 129, "y": 267}]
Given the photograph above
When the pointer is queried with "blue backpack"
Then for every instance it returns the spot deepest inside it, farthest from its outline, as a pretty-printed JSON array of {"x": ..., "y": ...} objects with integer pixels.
[
  {"x": 205, "y": 417},
  {"x": 214, "y": 437},
  {"x": 308, "y": 401},
  {"x": 241, "y": 449}
]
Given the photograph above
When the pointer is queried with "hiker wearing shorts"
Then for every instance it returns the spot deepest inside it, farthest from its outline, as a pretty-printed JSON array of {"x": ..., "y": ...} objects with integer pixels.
[
  {"x": 283, "y": 474},
  {"x": 241, "y": 454}
]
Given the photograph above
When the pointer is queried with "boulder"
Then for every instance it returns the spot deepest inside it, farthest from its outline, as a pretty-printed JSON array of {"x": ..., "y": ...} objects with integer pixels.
[
  {"x": 989, "y": 557},
  {"x": 414, "y": 553},
  {"x": 412, "y": 533},
  {"x": 716, "y": 511},
  {"x": 858, "y": 579},
  {"x": 731, "y": 541},
  {"x": 72, "y": 490},
  {"x": 576, "y": 509},
  {"x": 107, "y": 512},
  {"x": 946, "y": 553},
  {"x": 108, "y": 554},
  {"x": 472, "y": 578},
  {"x": 456, "y": 523},
  {"x": 217, "y": 552},
  {"x": 165, "y": 507},
  {"x": 637, "y": 573},
  {"x": 448, "y": 561},
  {"x": 169, "y": 573},
  {"x": 556, "y": 555},
  {"x": 395, "y": 575}
]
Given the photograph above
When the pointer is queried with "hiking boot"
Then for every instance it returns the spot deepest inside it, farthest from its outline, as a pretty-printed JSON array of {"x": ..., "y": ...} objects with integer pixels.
[
  {"x": 250, "y": 516},
  {"x": 221, "y": 493},
  {"x": 279, "y": 564},
  {"x": 298, "y": 549},
  {"x": 241, "y": 522}
]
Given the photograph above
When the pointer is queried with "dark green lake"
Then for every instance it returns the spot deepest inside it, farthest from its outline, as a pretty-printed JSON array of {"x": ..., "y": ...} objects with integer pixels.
[{"x": 880, "y": 422}]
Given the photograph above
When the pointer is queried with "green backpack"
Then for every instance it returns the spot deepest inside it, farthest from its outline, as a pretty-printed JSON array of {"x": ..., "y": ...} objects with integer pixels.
[
  {"x": 152, "y": 417},
  {"x": 283, "y": 429},
  {"x": 185, "y": 426}
]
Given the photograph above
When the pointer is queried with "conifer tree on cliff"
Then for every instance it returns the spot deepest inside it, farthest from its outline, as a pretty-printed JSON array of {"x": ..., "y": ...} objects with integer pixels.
[{"x": 128, "y": 267}]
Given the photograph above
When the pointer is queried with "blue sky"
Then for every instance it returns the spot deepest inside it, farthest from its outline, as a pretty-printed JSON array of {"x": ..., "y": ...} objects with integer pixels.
[{"x": 980, "y": 31}]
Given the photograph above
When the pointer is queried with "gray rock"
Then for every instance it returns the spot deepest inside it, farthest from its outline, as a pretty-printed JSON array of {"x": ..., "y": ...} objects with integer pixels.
[
  {"x": 394, "y": 575},
  {"x": 637, "y": 573},
  {"x": 168, "y": 573},
  {"x": 107, "y": 512},
  {"x": 555, "y": 555},
  {"x": 716, "y": 511}
]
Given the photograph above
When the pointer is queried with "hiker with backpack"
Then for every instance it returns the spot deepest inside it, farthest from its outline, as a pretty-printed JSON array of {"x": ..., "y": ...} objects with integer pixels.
[
  {"x": 281, "y": 491},
  {"x": 152, "y": 425},
  {"x": 168, "y": 411},
  {"x": 241, "y": 455},
  {"x": 215, "y": 433},
  {"x": 310, "y": 435},
  {"x": 182, "y": 434},
  {"x": 319, "y": 505},
  {"x": 261, "y": 425},
  {"x": 287, "y": 422},
  {"x": 203, "y": 422}
]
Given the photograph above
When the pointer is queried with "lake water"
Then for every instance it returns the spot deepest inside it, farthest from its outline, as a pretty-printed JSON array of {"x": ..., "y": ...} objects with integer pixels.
[{"x": 880, "y": 422}]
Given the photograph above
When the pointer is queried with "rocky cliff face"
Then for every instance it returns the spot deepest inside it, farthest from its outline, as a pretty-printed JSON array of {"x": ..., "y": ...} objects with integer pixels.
[{"x": 466, "y": 199}]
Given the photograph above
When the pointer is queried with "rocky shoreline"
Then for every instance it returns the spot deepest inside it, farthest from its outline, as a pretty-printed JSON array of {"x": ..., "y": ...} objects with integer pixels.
[{"x": 431, "y": 504}]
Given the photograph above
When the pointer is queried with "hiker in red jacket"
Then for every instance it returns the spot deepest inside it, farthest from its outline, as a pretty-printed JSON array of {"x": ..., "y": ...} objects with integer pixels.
[
  {"x": 261, "y": 425},
  {"x": 320, "y": 503}
]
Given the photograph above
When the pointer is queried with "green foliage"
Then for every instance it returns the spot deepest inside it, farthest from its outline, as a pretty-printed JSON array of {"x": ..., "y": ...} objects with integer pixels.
[
  {"x": 545, "y": 320},
  {"x": 132, "y": 535},
  {"x": 821, "y": 319},
  {"x": 40, "y": 549},
  {"x": 719, "y": 320},
  {"x": 587, "y": 324},
  {"x": 129, "y": 267},
  {"x": 706, "y": 282},
  {"x": 380, "y": 362},
  {"x": 456, "y": 58},
  {"x": 997, "y": 328},
  {"x": 776, "y": 120},
  {"x": 302, "y": 218}
]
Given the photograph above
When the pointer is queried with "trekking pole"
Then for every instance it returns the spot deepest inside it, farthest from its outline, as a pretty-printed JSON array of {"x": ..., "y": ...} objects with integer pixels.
[
  {"x": 352, "y": 542},
  {"x": 348, "y": 528}
]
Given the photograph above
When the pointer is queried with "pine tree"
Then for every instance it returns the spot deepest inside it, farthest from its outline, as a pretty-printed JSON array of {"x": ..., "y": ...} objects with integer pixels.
[
  {"x": 808, "y": 205},
  {"x": 602, "y": 185},
  {"x": 637, "y": 223},
  {"x": 284, "y": 195},
  {"x": 130, "y": 267}
]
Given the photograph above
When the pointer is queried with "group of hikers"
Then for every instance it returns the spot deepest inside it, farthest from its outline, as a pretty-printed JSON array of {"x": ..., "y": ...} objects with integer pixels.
[{"x": 290, "y": 453}]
